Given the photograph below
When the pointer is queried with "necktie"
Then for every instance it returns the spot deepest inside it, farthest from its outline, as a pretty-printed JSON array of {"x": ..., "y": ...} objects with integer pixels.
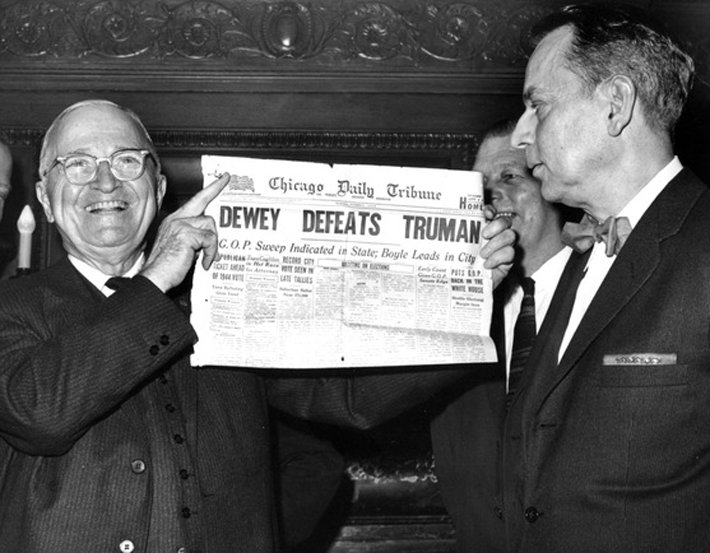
[
  {"x": 116, "y": 283},
  {"x": 581, "y": 236},
  {"x": 523, "y": 337}
]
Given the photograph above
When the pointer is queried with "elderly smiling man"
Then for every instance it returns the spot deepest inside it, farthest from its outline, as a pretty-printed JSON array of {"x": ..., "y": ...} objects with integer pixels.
[{"x": 110, "y": 440}]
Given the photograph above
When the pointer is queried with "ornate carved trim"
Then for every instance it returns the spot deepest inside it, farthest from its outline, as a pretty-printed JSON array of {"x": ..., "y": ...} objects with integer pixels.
[
  {"x": 286, "y": 33},
  {"x": 464, "y": 145},
  {"x": 152, "y": 38}
]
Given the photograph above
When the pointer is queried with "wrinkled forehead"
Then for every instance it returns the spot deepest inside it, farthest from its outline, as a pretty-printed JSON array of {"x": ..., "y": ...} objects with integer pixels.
[
  {"x": 549, "y": 56},
  {"x": 97, "y": 127}
]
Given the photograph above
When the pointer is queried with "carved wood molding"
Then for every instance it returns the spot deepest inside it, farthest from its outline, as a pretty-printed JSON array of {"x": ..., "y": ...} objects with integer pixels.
[
  {"x": 242, "y": 34},
  {"x": 154, "y": 37},
  {"x": 85, "y": 41},
  {"x": 463, "y": 145}
]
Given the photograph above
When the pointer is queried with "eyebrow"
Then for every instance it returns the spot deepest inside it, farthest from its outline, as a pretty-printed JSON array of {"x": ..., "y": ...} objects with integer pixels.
[
  {"x": 528, "y": 93},
  {"x": 512, "y": 168}
]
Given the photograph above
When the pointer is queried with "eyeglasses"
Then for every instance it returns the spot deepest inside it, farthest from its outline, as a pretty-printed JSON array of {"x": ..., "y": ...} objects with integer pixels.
[{"x": 81, "y": 169}]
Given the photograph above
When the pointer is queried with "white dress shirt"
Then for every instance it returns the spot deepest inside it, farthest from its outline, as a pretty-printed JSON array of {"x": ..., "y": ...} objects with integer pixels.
[
  {"x": 546, "y": 279},
  {"x": 98, "y": 278},
  {"x": 598, "y": 264}
]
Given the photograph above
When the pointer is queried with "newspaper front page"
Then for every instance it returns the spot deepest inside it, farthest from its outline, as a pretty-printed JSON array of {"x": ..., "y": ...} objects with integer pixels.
[{"x": 343, "y": 266}]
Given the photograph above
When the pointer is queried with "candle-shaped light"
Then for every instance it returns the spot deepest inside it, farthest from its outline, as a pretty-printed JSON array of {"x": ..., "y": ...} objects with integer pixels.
[{"x": 26, "y": 226}]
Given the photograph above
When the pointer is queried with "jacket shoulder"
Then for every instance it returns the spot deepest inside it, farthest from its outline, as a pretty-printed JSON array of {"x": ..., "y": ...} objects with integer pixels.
[{"x": 32, "y": 288}]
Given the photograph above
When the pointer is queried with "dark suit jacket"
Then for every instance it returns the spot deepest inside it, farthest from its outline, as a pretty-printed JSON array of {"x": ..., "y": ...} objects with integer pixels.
[
  {"x": 465, "y": 439},
  {"x": 110, "y": 439},
  {"x": 606, "y": 452}
]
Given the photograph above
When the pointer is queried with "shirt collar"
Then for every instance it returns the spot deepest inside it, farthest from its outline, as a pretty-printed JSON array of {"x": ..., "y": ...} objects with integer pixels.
[
  {"x": 98, "y": 278},
  {"x": 548, "y": 271},
  {"x": 638, "y": 205}
]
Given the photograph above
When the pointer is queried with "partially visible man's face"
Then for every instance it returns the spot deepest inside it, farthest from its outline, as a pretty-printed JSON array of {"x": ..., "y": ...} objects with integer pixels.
[
  {"x": 563, "y": 126},
  {"x": 107, "y": 219},
  {"x": 515, "y": 193}
]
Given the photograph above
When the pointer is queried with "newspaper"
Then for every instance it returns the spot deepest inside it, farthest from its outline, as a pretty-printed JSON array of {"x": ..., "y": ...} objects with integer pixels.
[{"x": 343, "y": 266}]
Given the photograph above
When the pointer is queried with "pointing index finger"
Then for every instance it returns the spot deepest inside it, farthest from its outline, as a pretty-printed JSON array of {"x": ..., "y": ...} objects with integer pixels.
[{"x": 196, "y": 205}]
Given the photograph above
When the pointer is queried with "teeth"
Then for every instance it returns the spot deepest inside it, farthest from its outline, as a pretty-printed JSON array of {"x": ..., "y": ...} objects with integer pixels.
[
  {"x": 504, "y": 214},
  {"x": 107, "y": 206}
]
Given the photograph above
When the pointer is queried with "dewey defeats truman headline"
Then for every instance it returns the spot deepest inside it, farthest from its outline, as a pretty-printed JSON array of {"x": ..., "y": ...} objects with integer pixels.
[{"x": 416, "y": 227}]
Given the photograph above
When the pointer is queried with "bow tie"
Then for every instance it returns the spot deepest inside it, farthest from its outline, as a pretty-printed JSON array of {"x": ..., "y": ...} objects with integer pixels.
[{"x": 582, "y": 236}]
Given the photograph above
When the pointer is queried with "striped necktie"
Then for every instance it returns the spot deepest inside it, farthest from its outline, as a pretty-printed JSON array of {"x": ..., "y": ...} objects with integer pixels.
[{"x": 523, "y": 337}]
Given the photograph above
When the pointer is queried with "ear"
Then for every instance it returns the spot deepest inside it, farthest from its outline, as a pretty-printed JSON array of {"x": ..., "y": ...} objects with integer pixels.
[
  {"x": 43, "y": 197},
  {"x": 160, "y": 186},
  {"x": 621, "y": 93}
]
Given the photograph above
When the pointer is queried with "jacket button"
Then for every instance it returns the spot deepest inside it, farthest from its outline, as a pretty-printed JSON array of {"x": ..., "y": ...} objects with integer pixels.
[
  {"x": 186, "y": 512},
  {"x": 126, "y": 546},
  {"x": 499, "y": 512},
  {"x": 138, "y": 466},
  {"x": 178, "y": 439},
  {"x": 164, "y": 340},
  {"x": 532, "y": 514},
  {"x": 153, "y": 350},
  {"x": 184, "y": 474}
]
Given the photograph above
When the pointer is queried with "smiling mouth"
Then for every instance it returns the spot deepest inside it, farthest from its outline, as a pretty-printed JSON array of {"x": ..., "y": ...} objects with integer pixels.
[
  {"x": 102, "y": 207},
  {"x": 500, "y": 214}
]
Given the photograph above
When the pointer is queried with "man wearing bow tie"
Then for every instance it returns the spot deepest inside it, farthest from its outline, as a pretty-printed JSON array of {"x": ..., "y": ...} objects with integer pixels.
[
  {"x": 109, "y": 439},
  {"x": 606, "y": 446}
]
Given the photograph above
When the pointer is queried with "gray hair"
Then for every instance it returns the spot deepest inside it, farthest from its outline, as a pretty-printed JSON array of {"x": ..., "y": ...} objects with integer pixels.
[{"x": 611, "y": 40}]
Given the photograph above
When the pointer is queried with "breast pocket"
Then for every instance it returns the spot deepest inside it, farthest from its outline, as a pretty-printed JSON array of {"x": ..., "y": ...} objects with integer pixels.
[{"x": 642, "y": 376}]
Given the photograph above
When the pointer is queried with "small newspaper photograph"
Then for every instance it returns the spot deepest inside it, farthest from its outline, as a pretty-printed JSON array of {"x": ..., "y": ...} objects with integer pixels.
[{"x": 337, "y": 266}]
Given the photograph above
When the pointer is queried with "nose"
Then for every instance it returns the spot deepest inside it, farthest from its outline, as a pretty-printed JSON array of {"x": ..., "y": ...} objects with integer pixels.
[
  {"x": 487, "y": 195},
  {"x": 104, "y": 179},
  {"x": 493, "y": 191},
  {"x": 524, "y": 132}
]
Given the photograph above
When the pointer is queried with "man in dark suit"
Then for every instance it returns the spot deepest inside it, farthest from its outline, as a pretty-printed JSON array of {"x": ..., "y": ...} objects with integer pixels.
[
  {"x": 110, "y": 440},
  {"x": 466, "y": 434},
  {"x": 607, "y": 448}
]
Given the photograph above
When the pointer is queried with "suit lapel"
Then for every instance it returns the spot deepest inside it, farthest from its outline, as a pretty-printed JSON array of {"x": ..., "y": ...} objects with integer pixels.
[
  {"x": 626, "y": 276},
  {"x": 65, "y": 283},
  {"x": 633, "y": 267},
  {"x": 68, "y": 295}
]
